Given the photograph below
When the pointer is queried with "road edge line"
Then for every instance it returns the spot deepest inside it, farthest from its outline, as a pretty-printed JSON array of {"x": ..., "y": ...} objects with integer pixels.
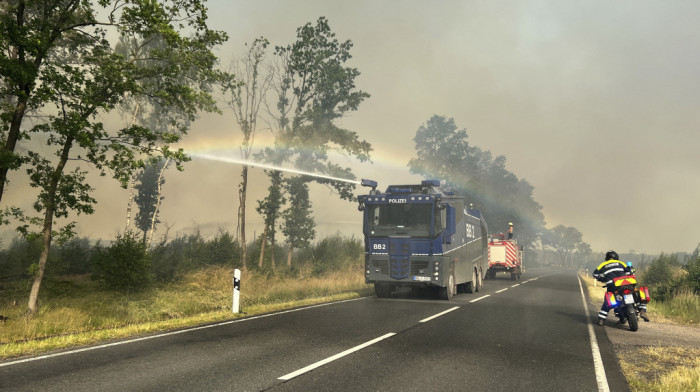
[{"x": 600, "y": 377}]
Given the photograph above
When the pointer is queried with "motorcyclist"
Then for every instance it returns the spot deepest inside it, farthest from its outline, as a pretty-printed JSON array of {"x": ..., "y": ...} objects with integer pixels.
[{"x": 612, "y": 268}]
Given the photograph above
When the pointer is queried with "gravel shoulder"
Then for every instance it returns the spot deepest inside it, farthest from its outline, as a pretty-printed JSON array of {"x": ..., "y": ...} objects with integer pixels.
[{"x": 655, "y": 334}]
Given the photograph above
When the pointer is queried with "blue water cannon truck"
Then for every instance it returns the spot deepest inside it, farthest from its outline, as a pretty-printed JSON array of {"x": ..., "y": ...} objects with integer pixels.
[{"x": 422, "y": 236}]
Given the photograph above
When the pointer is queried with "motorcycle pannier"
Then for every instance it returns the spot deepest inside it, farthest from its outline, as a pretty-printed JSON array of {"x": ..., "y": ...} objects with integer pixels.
[
  {"x": 644, "y": 294},
  {"x": 610, "y": 300}
]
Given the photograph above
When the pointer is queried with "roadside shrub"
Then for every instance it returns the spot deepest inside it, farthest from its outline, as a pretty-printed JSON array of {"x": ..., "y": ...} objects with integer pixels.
[
  {"x": 124, "y": 265},
  {"x": 693, "y": 277},
  {"x": 16, "y": 262},
  {"x": 665, "y": 276},
  {"x": 335, "y": 252},
  {"x": 189, "y": 253},
  {"x": 75, "y": 256}
]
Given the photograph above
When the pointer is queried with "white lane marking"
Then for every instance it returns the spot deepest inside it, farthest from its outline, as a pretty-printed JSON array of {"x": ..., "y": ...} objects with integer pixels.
[
  {"x": 600, "y": 377},
  {"x": 333, "y": 358},
  {"x": 439, "y": 314},
  {"x": 2, "y": 364},
  {"x": 480, "y": 298},
  {"x": 515, "y": 285},
  {"x": 502, "y": 290}
]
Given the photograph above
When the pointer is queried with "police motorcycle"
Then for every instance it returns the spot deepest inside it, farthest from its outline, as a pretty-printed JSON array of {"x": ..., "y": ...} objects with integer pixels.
[{"x": 626, "y": 298}]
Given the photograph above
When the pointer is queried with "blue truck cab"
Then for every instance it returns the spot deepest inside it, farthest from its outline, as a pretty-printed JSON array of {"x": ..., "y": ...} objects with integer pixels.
[{"x": 422, "y": 235}]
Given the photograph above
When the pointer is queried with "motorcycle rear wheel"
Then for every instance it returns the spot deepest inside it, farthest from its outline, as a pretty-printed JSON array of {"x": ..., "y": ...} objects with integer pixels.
[{"x": 632, "y": 317}]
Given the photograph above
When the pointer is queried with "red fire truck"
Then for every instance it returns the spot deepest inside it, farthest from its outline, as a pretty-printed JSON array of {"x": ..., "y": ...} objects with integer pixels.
[{"x": 506, "y": 256}]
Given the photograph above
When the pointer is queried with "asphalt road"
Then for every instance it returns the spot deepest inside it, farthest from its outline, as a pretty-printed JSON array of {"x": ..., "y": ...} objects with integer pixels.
[{"x": 525, "y": 335}]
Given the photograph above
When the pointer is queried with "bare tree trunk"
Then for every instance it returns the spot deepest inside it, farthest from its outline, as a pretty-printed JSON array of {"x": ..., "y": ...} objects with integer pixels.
[
  {"x": 241, "y": 216},
  {"x": 289, "y": 255},
  {"x": 12, "y": 137},
  {"x": 133, "y": 179},
  {"x": 155, "y": 213},
  {"x": 33, "y": 304},
  {"x": 130, "y": 202},
  {"x": 273, "y": 251},
  {"x": 262, "y": 247}
]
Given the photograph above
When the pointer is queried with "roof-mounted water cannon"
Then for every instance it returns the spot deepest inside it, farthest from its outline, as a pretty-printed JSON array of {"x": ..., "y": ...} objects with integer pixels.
[
  {"x": 371, "y": 184},
  {"x": 361, "y": 199}
]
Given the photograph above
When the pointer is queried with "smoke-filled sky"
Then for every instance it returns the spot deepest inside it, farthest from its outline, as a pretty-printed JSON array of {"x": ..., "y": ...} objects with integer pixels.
[{"x": 594, "y": 103}]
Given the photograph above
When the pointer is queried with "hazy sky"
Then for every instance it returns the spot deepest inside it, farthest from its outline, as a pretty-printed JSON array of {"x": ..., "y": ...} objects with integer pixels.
[{"x": 594, "y": 103}]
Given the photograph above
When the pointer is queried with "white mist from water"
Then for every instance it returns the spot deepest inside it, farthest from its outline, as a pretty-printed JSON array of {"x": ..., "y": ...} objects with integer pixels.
[{"x": 269, "y": 167}]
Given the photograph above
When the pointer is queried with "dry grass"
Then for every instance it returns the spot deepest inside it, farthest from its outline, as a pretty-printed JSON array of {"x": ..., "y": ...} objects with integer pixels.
[
  {"x": 93, "y": 315},
  {"x": 662, "y": 369}
]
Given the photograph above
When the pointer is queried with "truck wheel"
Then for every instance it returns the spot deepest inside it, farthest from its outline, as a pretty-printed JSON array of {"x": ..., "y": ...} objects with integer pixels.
[
  {"x": 448, "y": 292},
  {"x": 492, "y": 274},
  {"x": 471, "y": 286},
  {"x": 513, "y": 276},
  {"x": 382, "y": 290},
  {"x": 479, "y": 281}
]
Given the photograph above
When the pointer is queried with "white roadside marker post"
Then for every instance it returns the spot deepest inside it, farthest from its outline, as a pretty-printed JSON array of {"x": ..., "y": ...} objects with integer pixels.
[{"x": 236, "y": 290}]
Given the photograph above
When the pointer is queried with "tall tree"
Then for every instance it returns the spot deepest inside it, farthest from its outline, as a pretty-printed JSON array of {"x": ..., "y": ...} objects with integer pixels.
[
  {"x": 63, "y": 57},
  {"x": 149, "y": 182},
  {"x": 314, "y": 88},
  {"x": 565, "y": 240},
  {"x": 247, "y": 93},
  {"x": 298, "y": 224},
  {"x": 270, "y": 208},
  {"x": 444, "y": 152}
]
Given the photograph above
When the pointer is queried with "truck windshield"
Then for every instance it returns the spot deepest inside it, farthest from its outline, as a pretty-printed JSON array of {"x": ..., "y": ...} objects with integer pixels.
[{"x": 402, "y": 219}]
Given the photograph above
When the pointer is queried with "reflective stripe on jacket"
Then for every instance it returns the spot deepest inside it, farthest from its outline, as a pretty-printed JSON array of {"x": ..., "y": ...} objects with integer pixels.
[{"x": 610, "y": 269}]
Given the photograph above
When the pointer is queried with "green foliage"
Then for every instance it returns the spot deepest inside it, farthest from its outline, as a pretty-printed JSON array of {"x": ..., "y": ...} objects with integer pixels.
[
  {"x": 335, "y": 253},
  {"x": 443, "y": 152},
  {"x": 298, "y": 225},
  {"x": 271, "y": 205},
  {"x": 58, "y": 59},
  {"x": 16, "y": 261},
  {"x": 693, "y": 277},
  {"x": 148, "y": 180},
  {"x": 19, "y": 260},
  {"x": 124, "y": 265},
  {"x": 565, "y": 240},
  {"x": 187, "y": 253},
  {"x": 316, "y": 88},
  {"x": 664, "y": 276}
]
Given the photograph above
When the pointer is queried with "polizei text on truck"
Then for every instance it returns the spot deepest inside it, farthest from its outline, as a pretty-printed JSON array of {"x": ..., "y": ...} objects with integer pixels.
[{"x": 422, "y": 236}]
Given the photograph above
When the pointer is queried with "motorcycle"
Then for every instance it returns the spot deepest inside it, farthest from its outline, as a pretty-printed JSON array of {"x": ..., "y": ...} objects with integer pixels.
[{"x": 626, "y": 298}]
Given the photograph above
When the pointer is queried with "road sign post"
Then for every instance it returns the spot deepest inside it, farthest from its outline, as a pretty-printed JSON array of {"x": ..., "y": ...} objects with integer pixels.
[{"x": 236, "y": 290}]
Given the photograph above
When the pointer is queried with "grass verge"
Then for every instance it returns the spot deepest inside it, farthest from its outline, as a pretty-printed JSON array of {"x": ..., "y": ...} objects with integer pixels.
[
  {"x": 659, "y": 369},
  {"x": 80, "y": 314}
]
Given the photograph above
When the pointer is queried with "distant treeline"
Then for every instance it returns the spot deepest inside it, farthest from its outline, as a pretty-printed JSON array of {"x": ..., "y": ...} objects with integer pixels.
[{"x": 124, "y": 264}]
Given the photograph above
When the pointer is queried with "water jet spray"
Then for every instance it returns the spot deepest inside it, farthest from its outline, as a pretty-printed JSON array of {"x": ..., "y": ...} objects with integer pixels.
[{"x": 270, "y": 167}]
